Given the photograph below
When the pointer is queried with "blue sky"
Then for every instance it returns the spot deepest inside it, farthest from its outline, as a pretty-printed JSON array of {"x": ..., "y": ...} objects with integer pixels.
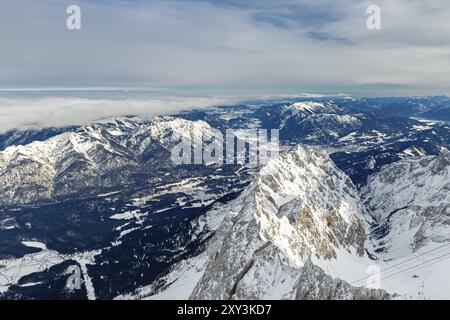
[{"x": 264, "y": 45}]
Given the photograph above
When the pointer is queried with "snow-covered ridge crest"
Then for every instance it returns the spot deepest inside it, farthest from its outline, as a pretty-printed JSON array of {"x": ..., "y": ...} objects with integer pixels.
[{"x": 309, "y": 106}]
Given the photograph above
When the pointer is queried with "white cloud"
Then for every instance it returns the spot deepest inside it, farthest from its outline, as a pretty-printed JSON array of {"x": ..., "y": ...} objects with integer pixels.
[{"x": 25, "y": 113}]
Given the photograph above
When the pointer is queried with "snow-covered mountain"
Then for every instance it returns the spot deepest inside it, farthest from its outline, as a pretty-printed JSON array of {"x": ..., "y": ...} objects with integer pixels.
[
  {"x": 369, "y": 193},
  {"x": 298, "y": 232},
  {"x": 300, "y": 205},
  {"x": 410, "y": 200},
  {"x": 108, "y": 154}
]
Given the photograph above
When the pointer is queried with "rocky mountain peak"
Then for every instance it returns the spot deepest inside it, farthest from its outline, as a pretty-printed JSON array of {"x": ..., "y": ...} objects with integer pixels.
[{"x": 299, "y": 205}]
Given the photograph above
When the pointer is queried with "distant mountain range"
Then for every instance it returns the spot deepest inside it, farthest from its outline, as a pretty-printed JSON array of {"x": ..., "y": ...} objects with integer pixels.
[{"x": 360, "y": 184}]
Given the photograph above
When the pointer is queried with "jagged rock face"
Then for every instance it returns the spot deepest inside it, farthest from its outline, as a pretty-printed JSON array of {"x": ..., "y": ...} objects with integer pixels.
[
  {"x": 305, "y": 205},
  {"x": 411, "y": 197},
  {"x": 315, "y": 284},
  {"x": 107, "y": 154},
  {"x": 299, "y": 205},
  {"x": 401, "y": 185}
]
